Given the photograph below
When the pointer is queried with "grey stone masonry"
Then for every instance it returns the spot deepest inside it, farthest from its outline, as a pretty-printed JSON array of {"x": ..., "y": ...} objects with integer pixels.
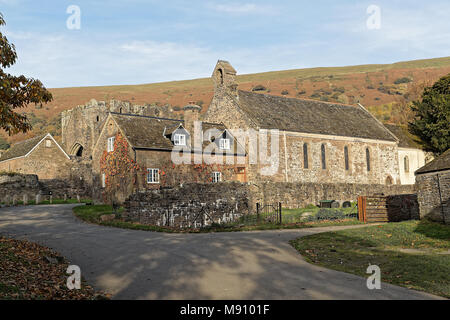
[
  {"x": 434, "y": 195},
  {"x": 189, "y": 206}
]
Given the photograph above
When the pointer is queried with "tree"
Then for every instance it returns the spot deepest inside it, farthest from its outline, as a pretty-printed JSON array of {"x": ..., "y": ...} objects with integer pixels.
[
  {"x": 4, "y": 145},
  {"x": 16, "y": 91},
  {"x": 432, "y": 117}
]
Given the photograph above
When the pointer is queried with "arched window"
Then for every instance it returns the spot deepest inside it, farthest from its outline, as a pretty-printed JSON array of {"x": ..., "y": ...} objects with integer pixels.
[
  {"x": 406, "y": 163},
  {"x": 389, "y": 180},
  {"x": 368, "y": 159},
  {"x": 305, "y": 155},
  {"x": 324, "y": 160},
  {"x": 347, "y": 166}
]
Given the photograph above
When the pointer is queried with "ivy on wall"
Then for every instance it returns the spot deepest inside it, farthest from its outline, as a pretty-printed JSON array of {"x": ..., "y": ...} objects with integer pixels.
[{"x": 119, "y": 168}]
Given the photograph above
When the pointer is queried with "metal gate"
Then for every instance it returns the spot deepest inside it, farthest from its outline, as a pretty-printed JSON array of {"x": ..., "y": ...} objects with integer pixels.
[{"x": 269, "y": 213}]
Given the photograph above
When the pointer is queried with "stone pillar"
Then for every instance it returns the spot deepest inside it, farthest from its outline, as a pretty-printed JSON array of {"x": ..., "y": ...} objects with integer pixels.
[
  {"x": 65, "y": 197},
  {"x": 14, "y": 202},
  {"x": 78, "y": 198},
  {"x": 38, "y": 198},
  {"x": 51, "y": 199},
  {"x": 25, "y": 199}
]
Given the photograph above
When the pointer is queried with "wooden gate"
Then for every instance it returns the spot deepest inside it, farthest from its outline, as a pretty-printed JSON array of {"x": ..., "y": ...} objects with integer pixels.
[
  {"x": 388, "y": 208},
  {"x": 373, "y": 209}
]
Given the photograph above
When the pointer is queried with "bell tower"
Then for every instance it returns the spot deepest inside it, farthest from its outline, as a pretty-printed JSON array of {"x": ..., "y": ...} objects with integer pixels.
[{"x": 224, "y": 77}]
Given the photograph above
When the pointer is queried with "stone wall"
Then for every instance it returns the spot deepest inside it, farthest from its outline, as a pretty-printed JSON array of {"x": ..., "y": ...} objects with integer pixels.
[
  {"x": 81, "y": 126},
  {"x": 192, "y": 205},
  {"x": 299, "y": 195},
  {"x": 433, "y": 191},
  {"x": 17, "y": 185}
]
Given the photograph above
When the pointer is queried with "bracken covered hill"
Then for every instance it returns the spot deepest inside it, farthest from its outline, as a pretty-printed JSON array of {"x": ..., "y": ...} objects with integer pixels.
[{"x": 375, "y": 86}]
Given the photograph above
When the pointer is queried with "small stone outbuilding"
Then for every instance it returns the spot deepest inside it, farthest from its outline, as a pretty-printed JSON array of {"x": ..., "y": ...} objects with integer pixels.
[{"x": 433, "y": 189}]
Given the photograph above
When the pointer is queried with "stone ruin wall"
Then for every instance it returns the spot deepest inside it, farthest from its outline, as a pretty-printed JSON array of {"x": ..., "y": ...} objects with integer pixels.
[{"x": 82, "y": 125}]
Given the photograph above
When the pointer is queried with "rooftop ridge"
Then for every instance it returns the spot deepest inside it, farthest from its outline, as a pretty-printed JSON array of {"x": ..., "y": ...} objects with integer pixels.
[
  {"x": 301, "y": 99},
  {"x": 142, "y": 116}
]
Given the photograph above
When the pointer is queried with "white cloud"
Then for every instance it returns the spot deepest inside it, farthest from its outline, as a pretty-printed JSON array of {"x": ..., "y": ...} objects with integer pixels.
[{"x": 243, "y": 8}]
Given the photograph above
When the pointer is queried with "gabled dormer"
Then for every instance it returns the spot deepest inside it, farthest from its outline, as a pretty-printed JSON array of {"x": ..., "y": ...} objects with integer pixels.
[{"x": 178, "y": 135}]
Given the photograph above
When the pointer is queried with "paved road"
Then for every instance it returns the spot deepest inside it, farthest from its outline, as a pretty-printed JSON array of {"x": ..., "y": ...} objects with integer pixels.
[{"x": 146, "y": 265}]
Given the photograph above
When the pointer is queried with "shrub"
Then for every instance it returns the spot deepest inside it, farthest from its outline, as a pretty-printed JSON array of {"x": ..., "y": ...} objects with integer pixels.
[
  {"x": 327, "y": 214},
  {"x": 340, "y": 89},
  {"x": 402, "y": 80},
  {"x": 259, "y": 87}
]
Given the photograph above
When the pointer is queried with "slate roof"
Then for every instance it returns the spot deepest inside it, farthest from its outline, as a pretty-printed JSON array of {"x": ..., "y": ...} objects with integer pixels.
[
  {"x": 309, "y": 116},
  {"x": 441, "y": 163},
  {"x": 20, "y": 149},
  {"x": 406, "y": 140},
  {"x": 145, "y": 132}
]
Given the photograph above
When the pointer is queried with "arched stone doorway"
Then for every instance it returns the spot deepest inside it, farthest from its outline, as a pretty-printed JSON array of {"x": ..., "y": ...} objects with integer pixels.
[{"x": 77, "y": 150}]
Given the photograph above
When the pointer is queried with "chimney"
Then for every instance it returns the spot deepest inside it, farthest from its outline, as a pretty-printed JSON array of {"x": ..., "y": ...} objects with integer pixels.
[{"x": 191, "y": 115}]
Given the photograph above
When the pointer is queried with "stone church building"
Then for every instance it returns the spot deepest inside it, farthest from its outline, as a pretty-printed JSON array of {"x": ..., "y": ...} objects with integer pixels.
[{"x": 318, "y": 143}]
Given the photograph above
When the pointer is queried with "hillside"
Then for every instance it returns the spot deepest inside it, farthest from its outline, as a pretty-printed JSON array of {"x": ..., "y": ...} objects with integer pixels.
[{"x": 375, "y": 86}]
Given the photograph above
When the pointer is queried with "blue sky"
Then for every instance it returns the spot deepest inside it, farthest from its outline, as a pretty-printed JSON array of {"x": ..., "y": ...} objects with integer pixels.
[{"x": 137, "y": 41}]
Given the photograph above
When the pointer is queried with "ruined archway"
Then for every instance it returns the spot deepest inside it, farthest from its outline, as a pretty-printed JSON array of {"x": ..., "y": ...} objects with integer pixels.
[{"x": 77, "y": 150}]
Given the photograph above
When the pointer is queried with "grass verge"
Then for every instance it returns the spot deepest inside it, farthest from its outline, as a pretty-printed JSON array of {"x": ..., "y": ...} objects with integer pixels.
[
  {"x": 93, "y": 213},
  {"x": 412, "y": 254}
]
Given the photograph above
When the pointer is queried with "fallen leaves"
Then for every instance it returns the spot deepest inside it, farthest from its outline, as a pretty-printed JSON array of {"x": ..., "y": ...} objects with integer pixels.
[{"x": 29, "y": 271}]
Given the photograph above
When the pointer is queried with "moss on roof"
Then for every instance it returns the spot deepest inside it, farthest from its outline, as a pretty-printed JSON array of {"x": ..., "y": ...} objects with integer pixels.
[
  {"x": 20, "y": 149},
  {"x": 310, "y": 116},
  {"x": 441, "y": 163}
]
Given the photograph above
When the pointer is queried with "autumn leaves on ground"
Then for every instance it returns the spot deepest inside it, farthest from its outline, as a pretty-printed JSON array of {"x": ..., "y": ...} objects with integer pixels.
[
  {"x": 384, "y": 89},
  {"x": 30, "y": 271}
]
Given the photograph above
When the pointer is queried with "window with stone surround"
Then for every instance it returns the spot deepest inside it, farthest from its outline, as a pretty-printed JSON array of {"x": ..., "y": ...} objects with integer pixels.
[
  {"x": 324, "y": 160},
  {"x": 110, "y": 147},
  {"x": 406, "y": 163},
  {"x": 347, "y": 165},
  {"x": 368, "y": 159},
  {"x": 305, "y": 156},
  {"x": 152, "y": 175}
]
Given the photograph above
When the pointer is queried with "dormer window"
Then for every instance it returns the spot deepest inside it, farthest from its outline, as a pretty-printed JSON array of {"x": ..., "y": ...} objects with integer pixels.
[
  {"x": 224, "y": 144},
  {"x": 179, "y": 139}
]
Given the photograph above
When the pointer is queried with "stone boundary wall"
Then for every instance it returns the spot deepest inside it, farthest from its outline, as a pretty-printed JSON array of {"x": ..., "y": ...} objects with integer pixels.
[
  {"x": 191, "y": 205},
  {"x": 17, "y": 186},
  {"x": 299, "y": 195},
  {"x": 434, "y": 196}
]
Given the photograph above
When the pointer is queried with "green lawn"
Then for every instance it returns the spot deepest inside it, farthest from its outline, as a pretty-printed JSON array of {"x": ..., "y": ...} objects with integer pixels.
[
  {"x": 92, "y": 214},
  {"x": 412, "y": 254}
]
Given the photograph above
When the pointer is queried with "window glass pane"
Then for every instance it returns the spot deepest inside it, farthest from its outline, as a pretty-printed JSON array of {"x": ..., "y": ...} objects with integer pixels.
[
  {"x": 346, "y": 158},
  {"x": 305, "y": 156},
  {"x": 324, "y": 161}
]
